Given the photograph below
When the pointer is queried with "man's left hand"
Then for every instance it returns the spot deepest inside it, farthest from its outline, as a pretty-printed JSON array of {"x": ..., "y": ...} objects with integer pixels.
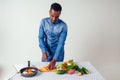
[{"x": 52, "y": 64}]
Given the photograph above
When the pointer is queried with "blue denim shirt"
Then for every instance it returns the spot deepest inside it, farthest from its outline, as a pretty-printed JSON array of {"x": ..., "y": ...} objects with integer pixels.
[{"x": 52, "y": 38}]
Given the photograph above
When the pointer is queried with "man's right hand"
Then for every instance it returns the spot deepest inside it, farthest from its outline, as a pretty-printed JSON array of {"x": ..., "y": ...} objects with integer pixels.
[{"x": 44, "y": 55}]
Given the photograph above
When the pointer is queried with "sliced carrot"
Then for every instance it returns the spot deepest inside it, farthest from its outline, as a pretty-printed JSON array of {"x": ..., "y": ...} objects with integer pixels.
[
  {"x": 29, "y": 71},
  {"x": 63, "y": 68},
  {"x": 46, "y": 67}
]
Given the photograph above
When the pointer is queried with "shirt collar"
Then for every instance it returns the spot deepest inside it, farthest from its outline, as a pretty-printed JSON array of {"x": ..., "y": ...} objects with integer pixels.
[{"x": 58, "y": 20}]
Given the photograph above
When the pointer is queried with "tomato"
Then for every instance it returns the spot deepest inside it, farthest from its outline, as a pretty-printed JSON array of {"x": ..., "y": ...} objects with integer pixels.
[{"x": 71, "y": 71}]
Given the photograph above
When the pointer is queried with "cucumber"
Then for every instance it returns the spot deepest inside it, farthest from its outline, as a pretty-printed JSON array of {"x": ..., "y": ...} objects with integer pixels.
[
  {"x": 79, "y": 69},
  {"x": 85, "y": 70},
  {"x": 60, "y": 71}
]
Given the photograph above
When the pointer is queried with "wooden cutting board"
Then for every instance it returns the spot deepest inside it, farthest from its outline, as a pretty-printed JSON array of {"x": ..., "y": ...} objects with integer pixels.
[{"x": 45, "y": 69}]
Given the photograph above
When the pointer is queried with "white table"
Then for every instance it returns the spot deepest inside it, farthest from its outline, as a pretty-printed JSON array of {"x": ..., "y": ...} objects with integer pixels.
[{"x": 94, "y": 74}]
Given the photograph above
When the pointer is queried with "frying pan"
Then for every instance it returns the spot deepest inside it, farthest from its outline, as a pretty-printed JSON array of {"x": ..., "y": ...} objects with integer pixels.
[{"x": 35, "y": 71}]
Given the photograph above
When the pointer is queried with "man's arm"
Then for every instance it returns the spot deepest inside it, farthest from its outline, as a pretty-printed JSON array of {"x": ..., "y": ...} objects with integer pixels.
[
  {"x": 41, "y": 40},
  {"x": 60, "y": 46},
  {"x": 61, "y": 42}
]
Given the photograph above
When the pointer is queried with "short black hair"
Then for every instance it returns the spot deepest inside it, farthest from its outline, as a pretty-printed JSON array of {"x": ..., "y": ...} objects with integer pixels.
[{"x": 56, "y": 7}]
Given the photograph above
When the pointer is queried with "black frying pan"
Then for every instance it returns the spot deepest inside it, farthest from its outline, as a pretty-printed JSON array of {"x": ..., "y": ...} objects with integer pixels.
[{"x": 24, "y": 70}]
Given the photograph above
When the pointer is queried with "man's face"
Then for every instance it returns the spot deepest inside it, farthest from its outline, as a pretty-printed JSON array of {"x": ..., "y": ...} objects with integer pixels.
[{"x": 54, "y": 15}]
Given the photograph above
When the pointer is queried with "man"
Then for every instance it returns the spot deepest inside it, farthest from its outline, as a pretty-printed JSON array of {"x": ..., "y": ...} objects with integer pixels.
[{"x": 52, "y": 36}]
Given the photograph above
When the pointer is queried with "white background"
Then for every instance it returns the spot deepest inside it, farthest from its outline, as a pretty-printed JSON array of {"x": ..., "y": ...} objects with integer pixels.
[{"x": 93, "y": 33}]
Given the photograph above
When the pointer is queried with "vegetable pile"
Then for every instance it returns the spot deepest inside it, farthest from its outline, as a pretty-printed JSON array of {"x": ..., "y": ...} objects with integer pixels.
[{"x": 70, "y": 67}]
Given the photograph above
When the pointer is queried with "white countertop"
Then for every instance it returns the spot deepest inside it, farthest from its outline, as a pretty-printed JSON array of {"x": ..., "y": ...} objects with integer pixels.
[{"x": 94, "y": 74}]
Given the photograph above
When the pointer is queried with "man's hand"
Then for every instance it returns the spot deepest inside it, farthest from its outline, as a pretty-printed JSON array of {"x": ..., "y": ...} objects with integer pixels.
[
  {"x": 52, "y": 64},
  {"x": 44, "y": 55}
]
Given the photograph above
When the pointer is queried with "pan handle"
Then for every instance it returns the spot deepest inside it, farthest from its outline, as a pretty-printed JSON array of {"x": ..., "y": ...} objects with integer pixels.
[{"x": 28, "y": 63}]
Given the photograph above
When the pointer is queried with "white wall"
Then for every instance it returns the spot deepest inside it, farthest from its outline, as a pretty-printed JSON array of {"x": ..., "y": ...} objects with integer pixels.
[{"x": 93, "y": 35}]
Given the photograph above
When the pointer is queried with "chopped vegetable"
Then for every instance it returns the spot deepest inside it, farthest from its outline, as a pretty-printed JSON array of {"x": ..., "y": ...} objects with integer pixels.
[
  {"x": 29, "y": 71},
  {"x": 24, "y": 72},
  {"x": 46, "y": 67}
]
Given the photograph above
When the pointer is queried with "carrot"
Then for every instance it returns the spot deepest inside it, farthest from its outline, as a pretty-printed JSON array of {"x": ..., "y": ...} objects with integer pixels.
[
  {"x": 63, "y": 68},
  {"x": 29, "y": 71},
  {"x": 46, "y": 67}
]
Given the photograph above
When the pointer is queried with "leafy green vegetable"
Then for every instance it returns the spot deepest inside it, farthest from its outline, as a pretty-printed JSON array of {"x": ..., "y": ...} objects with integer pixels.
[
  {"x": 70, "y": 60},
  {"x": 66, "y": 66},
  {"x": 61, "y": 65},
  {"x": 71, "y": 67}
]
